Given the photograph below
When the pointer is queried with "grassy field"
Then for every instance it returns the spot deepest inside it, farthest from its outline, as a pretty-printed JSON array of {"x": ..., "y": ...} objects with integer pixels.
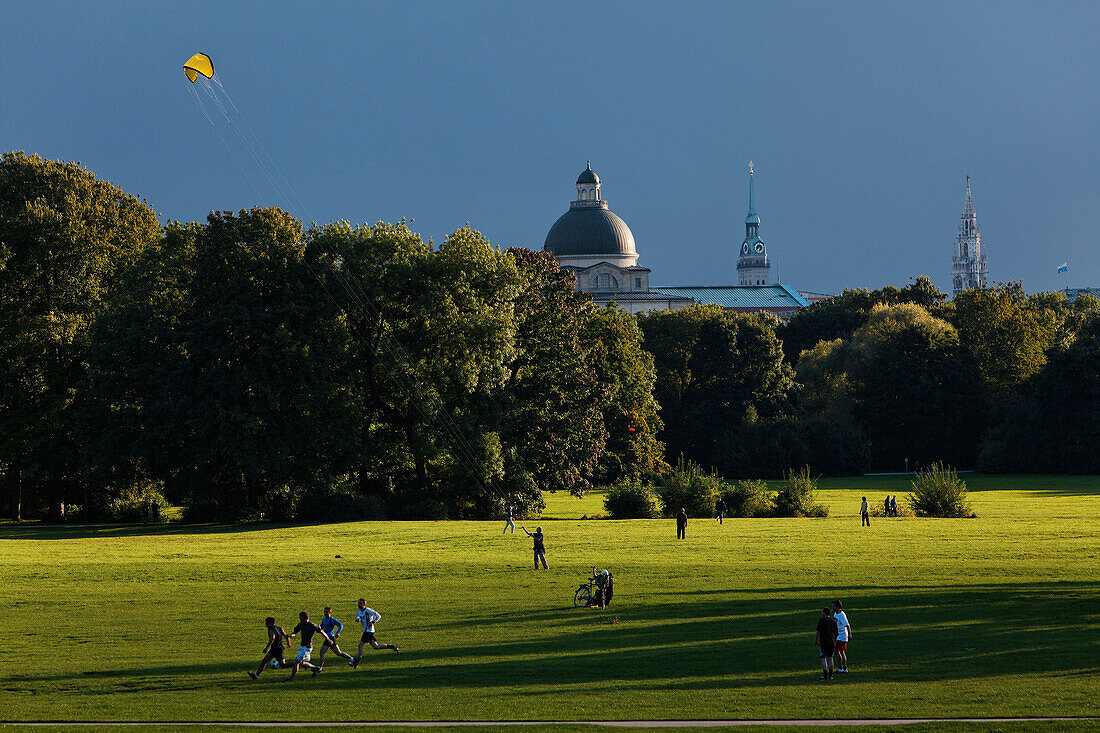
[{"x": 995, "y": 616}]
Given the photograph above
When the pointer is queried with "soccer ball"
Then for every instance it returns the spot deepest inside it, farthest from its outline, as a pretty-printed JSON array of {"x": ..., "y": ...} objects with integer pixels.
[{"x": 274, "y": 663}]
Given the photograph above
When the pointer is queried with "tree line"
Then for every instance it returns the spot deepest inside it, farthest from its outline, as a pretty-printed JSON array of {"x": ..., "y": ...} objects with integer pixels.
[{"x": 247, "y": 367}]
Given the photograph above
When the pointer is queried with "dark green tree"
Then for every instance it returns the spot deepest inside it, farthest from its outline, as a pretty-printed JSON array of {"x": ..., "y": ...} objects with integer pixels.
[
  {"x": 839, "y": 317},
  {"x": 65, "y": 238},
  {"x": 630, "y": 416}
]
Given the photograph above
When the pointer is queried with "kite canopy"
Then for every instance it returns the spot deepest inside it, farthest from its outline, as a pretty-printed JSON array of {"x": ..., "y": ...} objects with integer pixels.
[{"x": 200, "y": 63}]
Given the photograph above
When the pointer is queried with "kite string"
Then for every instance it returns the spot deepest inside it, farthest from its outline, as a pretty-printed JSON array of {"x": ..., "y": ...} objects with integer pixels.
[
  {"x": 391, "y": 347},
  {"x": 396, "y": 352}
]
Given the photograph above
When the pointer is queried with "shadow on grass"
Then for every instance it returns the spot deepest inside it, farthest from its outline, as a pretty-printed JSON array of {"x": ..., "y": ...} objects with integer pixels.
[
  {"x": 900, "y": 635},
  {"x": 48, "y": 532}
]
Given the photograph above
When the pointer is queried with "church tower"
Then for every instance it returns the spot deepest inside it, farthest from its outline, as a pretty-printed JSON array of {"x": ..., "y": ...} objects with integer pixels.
[
  {"x": 968, "y": 266},
  {"x": 753, "y": 267}
]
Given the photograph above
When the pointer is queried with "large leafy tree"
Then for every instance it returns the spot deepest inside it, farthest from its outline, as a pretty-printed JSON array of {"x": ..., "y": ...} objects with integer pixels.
[
  {"x": 715, "y": 370},
  {"x": 631, "y": 413},
  {"x": 65, "y": 238},
  {"x": 839, "y": 317},
  {"x": 1006, "y": 332},
  {"x": 553, "y": 399},
  {"x": 226, "y": 370},
  {"x": 915, "y": 390}
]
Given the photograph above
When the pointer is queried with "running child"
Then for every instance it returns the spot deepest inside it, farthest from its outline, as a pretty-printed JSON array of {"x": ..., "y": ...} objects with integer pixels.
[
  {"x": 307, "y": 629},
  {"x": 274, "y": 649},
  {"x": 331, "y": 626},
  {"x": 369, "y": 617}
]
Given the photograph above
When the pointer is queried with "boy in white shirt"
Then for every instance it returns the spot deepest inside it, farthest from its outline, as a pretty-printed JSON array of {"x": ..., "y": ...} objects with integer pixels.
[
  {"x": 843, "y": 634},
  {"x": 369, "y": 617}
]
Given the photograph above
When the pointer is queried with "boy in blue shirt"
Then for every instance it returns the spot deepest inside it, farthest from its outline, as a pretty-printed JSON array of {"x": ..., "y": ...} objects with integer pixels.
[{"x": 331, "y": 626}]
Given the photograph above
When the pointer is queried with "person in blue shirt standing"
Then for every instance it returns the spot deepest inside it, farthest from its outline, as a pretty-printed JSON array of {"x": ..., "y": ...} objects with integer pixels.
[
  {"x": 510, "y": 524},
  {"x": 331, "y": 626}
]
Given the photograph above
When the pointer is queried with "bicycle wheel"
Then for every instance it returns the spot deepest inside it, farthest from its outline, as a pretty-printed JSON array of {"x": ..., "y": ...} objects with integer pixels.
[{"x": 582, "y": 596}]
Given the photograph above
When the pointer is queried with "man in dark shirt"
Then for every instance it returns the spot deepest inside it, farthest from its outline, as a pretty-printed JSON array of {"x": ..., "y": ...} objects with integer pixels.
[
  {"x": 307, "y": 629},
  {"x": 274, "y": 649},
  {"x": 719, "y": 509},
  {"x": 540, "y": 550},
  {"x": 825, "y": 640},
  {"x": 681, "y": 524}
]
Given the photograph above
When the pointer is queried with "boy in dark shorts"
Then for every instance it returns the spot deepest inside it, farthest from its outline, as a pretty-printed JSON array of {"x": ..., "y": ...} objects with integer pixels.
[
  {"x": 331, "y": 626},
  {"x": 369, "y": 617},
  {"x": 274, "y": 649},
  {"x": 307, "y": 629},
  {"x": 825, "y": 639}
]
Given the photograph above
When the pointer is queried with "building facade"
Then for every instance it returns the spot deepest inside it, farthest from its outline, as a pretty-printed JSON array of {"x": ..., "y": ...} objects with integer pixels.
[
  {"x": 598, "y": 247},
  {"x": 968, "y": 265}
]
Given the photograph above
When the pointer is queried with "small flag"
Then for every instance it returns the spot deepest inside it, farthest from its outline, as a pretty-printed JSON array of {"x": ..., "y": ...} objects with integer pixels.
[{"x": 1064, "y": 267}]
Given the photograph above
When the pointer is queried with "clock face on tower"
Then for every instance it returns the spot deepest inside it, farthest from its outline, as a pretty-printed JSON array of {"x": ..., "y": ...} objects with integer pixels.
[
  {"x": 759, "y": 246},
  {"x": 745, "y": 248}
]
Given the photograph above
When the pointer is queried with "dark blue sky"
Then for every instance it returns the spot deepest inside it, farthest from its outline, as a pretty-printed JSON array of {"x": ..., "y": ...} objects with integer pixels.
[{"x": 863, "y": 121}]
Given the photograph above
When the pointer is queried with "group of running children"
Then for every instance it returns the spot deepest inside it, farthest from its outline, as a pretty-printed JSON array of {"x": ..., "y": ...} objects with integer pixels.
[{"x": 329, "y": 629}]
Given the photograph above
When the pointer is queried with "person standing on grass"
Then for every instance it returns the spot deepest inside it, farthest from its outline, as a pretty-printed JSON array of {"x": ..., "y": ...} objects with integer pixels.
[
  {"x": 825, "y": 640},
  {"x": 864, "y": 513},
  {"x": 333, "y": 628},
  {"x": 681, "y": 524},
  {"x": 843, "y": 634},
  {"x": 539, "y": 547},
  {"x": 369, "y": 617},
  {"x": 274, "y": 649},
  {"x": 509, "y": 524},
  {"x": 894, "y": 506},
  {"x": 886, "y": 508},
  {"x": 719, "y": 509},
  {"x": 307, "y": 629}
]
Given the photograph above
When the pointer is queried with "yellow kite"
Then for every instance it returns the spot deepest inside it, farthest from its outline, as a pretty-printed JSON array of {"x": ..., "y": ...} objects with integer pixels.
[{"x": 200, "y": 63}]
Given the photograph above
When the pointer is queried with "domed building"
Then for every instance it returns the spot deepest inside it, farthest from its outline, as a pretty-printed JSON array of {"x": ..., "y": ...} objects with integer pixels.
[
  {"x": 596, "y": 244},
  {"x": 598, "y": 247}
]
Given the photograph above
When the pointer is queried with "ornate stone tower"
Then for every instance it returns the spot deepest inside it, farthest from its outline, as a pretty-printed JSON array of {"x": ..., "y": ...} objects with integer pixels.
[
  {"x": 753, "y": 267},
  {"x": 968, "y": 266}
]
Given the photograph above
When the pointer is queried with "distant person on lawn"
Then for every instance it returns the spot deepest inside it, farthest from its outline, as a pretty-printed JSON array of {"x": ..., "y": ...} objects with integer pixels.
[
  {"x": 307, "y": 629},
  {"x": 509, "y": 524},
  {"x": 825, "y": 640},
  {"x": 332, "y": 626},
  {"x": 719, "y": 509},
  {"x": 843, "y": 635},
  {"x": 864, "y": 513},
  {"x": 369, "y": 617},
  {"x": 539, "y": 548},
  {"x": 681, "y": 524},
  {"x": 894, "y": 506},
  {"x": 886, "y": 508},
  {"x": 274, "y": 649}
]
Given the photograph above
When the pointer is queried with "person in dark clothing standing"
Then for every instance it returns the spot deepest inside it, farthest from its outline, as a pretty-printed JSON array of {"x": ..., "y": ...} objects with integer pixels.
[
  {"x": 307, "y": 629},
  {"x": 719, "y": 509},
  {"x": 273, "y": 652},
  {"x": 825, "y": 640},
  {"x": 539, "y": 548},
  {"x": 681, "y": 524}
]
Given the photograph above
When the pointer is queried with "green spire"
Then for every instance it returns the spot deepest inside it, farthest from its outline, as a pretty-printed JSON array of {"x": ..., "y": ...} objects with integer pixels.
[{"x": 752, "y": 204}]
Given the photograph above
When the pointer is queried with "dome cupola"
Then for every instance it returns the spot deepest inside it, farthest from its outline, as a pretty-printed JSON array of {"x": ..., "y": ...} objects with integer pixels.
[{"x": 590, "y": 230}]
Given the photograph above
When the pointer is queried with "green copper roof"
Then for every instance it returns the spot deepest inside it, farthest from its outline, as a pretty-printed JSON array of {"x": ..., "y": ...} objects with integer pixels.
[{"x": 760, "y": 297}]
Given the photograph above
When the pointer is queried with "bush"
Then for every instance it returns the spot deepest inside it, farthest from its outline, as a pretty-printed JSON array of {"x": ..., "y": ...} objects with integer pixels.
[
  {"x": 689, "y": 488},
  {"x": 338, "y": 504},
  {"x": 796, "y": 498},
  {"x": 629, "y": 498},
  {"x": 938, "y": 492},
  {"x": 749, "y": 498},
  {"x": 144, "y": 503}
]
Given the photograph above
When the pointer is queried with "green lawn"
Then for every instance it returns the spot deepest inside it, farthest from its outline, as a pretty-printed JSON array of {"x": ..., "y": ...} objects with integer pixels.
[{"x": 995, "y": 616}]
